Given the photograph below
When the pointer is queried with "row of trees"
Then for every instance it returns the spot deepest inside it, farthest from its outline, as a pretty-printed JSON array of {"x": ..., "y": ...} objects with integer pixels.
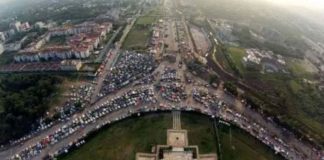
[
  {"x": 231, "y": 88},
  {"x": 23, "y": 100}
]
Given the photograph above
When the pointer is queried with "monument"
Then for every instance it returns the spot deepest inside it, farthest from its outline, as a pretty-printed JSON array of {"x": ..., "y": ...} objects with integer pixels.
[{"x": 177, "y": 147}]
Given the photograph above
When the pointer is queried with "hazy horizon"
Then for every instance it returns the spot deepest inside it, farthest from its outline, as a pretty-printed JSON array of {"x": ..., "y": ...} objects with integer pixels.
[{"x": 312, "y": 4}]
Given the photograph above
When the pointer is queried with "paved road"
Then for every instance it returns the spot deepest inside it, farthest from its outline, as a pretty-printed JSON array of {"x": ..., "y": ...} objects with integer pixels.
[
  {"x": 176, "y": 119},
  {"x": 15, "y": 149},
  {"x": 110, "y": 59},
  {"x": 234, "y": 103}
]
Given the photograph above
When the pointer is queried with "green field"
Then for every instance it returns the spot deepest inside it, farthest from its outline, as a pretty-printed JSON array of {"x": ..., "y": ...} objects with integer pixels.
[
  {"x": 236, "y": 55},
  {"x": 230, "y": 58},
  {"x": 139, "y": 36},
  {"x": 7, "y": 57},
  {"x": 302, "y": 103},
  {"x": 146, "y": 20},
  {"x": 300, "y": 68},
  {"x": 122, "y": 140},
  {"x": 221, "y": 59},
  {"x": 56, "y": 40},
  {"x": 137, "y": 39}
]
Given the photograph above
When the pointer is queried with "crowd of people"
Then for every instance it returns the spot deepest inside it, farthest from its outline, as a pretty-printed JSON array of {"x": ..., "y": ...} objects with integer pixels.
[
  {"x": 131, "y": 98},
  {"x": 77, "y": 98},
  {"x": 169, "y": 75},
  {"x": 146, "y": 80},
  {"x": 129, "y": 67},
  {"x": 174, "y": 92},
  {"x": 256, "y": 130},
  {"x": 206, "y": 99}
]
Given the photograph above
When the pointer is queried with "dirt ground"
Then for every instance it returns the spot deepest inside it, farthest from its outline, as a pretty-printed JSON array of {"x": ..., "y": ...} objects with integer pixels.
[{"x": 200, "y": 38}]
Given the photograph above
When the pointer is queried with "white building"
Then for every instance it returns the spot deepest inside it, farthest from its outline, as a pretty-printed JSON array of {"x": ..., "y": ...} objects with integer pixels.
[
  {"x": 25, "y": 26},
  {"x": 322, "y": 68},
  {"x": 1, "y": 48},
  {"x": 71, "y": 65},
  {"x": 16, "y": 25},
  {"x": 252, "y": 57},
  {"x": 2, "y": 36},
  {"x": 86, "y": 37},
  {"x": 13, "y": 46},
  {"x": 40, "y": 25}
]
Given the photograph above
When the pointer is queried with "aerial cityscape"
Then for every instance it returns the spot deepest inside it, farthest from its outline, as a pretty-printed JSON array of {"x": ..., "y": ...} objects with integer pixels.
[{"x": 161, "y": 80}]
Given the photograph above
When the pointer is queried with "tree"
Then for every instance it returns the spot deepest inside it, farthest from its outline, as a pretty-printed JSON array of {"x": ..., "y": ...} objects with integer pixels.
[{"x": 23, "y": 99}]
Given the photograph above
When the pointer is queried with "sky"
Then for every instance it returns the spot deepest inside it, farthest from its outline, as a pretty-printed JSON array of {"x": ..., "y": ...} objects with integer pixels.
[
  {"x": 4, "y": 1},
  {"x": 312, "y": 4}
]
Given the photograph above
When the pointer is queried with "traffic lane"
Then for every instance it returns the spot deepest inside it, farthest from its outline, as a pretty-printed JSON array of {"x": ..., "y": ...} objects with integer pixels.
[
  {"x": 72, "y": 127},
  {"x": 105, "y": 71},
  {"x": 18, "y": 148},
  {"x": 108, "y": 65},
  {"x": 110, "y": 62},
  {"x": 109, "y": 117},
  {"x": 37, "y": 138},
  {"x": 235, "y": 104}
]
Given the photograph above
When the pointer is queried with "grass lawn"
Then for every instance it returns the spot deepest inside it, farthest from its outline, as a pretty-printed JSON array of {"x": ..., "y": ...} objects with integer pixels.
[
  {"x": 296, "y": 67},
  {"x": 136, "y": 38},
  {"x": 7, "y": 57},
  {"x": 122, "y": 140},
  {"x": 304, "y": 108},
  {"x": 295, "y": 86},
  {"x": 300, "y": 68},
  {"x": 56, "y": 40},
  {"x": 241, "y": 146},
  {"x": 139, "y": 36},
  {"x": 221, "y": 59},
  {"x": 146, "y": 20},
  {"x": 237, "y": 54},
  {"x": 158, "y": 11}
]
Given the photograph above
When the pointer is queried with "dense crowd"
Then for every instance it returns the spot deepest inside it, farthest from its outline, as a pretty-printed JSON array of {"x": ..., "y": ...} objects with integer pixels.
[
  {"x": 131, "y": 98},
  {"x": 129, "y": 67},
  {"x": 169, "y": 75},
  {"x": 146, "y": 80},
  {"x": 78, "y": 97},
  {"x": 174, "y": 92},
  {"x": 256, "y": 130},
  {"x": 206, "y": 99}
]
